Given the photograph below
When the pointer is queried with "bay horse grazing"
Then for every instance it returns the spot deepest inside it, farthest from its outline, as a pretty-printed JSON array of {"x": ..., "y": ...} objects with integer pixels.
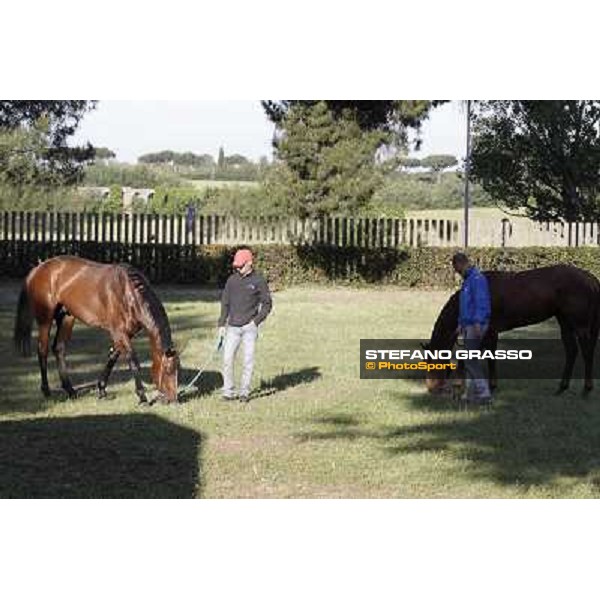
[
  {"x": 523, "y": 298},
  {"x": 116, "y": 298}
]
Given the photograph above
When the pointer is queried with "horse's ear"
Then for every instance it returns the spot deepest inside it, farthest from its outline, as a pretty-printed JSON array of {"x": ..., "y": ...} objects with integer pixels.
[
  {"x": 170, "y": 353},
  {"x": 424, "y": 346}
]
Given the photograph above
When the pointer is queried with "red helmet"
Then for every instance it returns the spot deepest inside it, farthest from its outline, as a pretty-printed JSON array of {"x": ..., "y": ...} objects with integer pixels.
[{"x": 242, "y": 257}]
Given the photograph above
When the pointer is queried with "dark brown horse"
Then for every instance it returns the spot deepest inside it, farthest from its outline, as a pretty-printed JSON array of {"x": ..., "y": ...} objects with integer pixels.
[
  {"x": 116, "y": 298},
  {"x": 524, "y": 298}
]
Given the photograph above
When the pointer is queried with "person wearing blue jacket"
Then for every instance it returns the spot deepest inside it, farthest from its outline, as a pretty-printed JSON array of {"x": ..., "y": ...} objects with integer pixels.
[{"x": 475, "y": 309}]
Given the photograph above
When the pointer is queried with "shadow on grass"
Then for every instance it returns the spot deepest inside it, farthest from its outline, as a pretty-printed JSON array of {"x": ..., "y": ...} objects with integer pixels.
[
  {"x": 211, "y": 381},
  {"x": 530, "y": 436},
  {"x": 120, "y": 456},
  {"x": 206, "y": 384},
  {"x": 286, "y": 380}
]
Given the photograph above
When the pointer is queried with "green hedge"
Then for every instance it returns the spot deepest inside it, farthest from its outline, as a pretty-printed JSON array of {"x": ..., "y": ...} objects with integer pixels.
[
  {"x": 286, "y": 265},
  {"x": 408, "y": 267}
]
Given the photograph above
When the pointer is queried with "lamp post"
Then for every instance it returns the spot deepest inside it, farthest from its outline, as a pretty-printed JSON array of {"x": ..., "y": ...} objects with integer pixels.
[{"x": 467, "y": 172}]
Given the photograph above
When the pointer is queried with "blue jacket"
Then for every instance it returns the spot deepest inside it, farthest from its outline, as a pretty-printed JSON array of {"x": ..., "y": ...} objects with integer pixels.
[{"x": 475, "y": 302}]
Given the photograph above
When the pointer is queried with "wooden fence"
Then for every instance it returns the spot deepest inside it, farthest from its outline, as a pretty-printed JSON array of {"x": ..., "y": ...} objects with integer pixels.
[
  {"x": 177, "y": 230},
  {"x": 215, "y": 229}
]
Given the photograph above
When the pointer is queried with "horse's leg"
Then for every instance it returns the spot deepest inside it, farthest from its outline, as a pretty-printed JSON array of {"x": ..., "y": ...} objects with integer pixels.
[
  {"x": 569, "y": 340},
  {"x": 43, "y": 343},
  {"x": 134, "y": 365},
  {"x": 113, "y": 357},
  {"x": 587, "y": 343},
  {"x": 124, "y": 345},
  {"x": 64, "y": 324}
]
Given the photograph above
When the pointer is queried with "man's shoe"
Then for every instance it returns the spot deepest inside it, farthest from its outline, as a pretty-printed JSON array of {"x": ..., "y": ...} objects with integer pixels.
[
  {"x": 228, "y": 397},
  {"x": 244, "y": 398}
]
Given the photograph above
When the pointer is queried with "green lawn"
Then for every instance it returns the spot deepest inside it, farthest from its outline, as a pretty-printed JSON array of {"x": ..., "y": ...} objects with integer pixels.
[
  {"x": 314, "y": 430},
  {"x": 203, "y": 184}
]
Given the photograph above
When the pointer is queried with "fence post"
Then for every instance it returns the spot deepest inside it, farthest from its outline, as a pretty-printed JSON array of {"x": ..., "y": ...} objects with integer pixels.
[
  {"x": 374, "y": 233},
  {"x": 68, "y": 217},
  {"x": 351, "y": 233},
  {"x": 127, "y": 249},
  {"x": 164, "y": 230},
  {"x": 44, "y": 235},
  {"x": 209, "y": 229},
  {"x": 74, "y": 228},
  {"x": 81, "y": 228},
  {"x": 505, "y": 225}
]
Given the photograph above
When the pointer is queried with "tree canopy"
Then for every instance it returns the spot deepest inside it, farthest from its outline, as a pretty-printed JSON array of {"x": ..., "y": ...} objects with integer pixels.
[
  {"x": 63, "y": 116},
  {"x": 103, "y": 153},
  {"x": 35, "y": 146},
  {"x": 327, "y": 163},
  {"x": 540, "y": 156},
  {"x": 439, "y": 162},
  {"x": 391, "y": 116},
  {"x": 410, "y": 162},
  {"x": 333, "y": 154},
  {"x": 188, "y": 159}
]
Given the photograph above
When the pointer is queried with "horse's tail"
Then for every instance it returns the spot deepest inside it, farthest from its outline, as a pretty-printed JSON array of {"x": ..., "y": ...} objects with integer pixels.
[{"x": 23, "y": 324}]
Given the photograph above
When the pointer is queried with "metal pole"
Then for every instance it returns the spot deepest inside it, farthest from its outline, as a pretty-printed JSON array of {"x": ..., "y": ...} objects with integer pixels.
[{"x": 467, "y": 173}]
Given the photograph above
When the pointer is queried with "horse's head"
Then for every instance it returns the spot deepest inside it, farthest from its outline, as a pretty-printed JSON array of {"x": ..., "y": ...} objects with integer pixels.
[
  {"x": 436, "y": 381},
  {"x": 166, "y": 380},
  {"x": 443, "y": 337}
]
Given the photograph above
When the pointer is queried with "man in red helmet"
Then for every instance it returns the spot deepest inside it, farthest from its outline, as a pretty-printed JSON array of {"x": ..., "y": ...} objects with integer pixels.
[{"x": 245, "y": 304}]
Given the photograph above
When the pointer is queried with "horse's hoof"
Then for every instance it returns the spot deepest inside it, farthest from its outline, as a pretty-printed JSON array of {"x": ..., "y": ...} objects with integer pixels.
[
  {"x": 102, "y": 394},
  {"x": 71, "y": 394},
  {"x": 46, "y": 392},
  {"x": 561, "y": 389}
]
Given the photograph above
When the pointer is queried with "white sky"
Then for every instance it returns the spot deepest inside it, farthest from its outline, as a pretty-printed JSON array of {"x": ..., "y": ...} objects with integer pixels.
[{"x": 132, "y": 128}]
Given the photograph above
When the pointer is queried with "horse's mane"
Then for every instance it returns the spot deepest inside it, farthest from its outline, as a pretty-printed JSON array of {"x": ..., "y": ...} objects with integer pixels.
[{"x": 154, "y": 306}]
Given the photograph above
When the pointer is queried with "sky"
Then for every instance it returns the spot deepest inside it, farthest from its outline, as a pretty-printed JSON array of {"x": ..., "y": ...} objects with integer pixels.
[{"x": 132, "y": 128}]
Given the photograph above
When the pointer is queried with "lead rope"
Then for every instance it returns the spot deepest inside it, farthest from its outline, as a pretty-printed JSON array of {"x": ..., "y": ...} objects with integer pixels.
[{"x": 208, "y": 360}]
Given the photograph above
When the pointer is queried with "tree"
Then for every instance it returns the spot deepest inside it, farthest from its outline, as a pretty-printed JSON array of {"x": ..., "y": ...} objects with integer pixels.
[
  {"x": 104, "y": 154},
  {"x": 234, "y": 160},
  {"x": 539, "y": 156},
  {"x": 158, "y": 158},
  {"x": 327, "y": 163},
  {"x": 221, "y": 159},
  {"x": 55, "y": 121},
  {"x": 438, "y": 162},
  {"x": 410, "y": 162},
  {"x": 390, "y": 116},
  {"x": 26, "y": 160}
]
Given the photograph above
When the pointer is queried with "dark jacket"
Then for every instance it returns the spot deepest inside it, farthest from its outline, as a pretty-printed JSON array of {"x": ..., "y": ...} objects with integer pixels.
[
  {"x": 245, "y": 299},
  {"x": 475, "y": 302}
]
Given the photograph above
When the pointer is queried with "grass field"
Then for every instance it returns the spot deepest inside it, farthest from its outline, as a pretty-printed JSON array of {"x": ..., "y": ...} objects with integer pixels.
[
  {"x": 202, "y": 184},
  {"x": 314, "y": 428}
]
